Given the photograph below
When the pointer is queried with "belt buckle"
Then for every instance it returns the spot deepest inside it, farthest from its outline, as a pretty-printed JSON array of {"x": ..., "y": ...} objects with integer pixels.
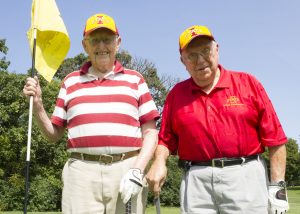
[
  {"x": 218, "y": 159},
  {"x": 187, "y": 165},
  {"x": 110, "y": 159}
]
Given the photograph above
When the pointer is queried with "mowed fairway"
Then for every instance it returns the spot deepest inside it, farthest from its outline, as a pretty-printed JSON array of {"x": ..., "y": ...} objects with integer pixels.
[
  {"x": 293, "y": 193},
  {"x": 294, "y": 200}
]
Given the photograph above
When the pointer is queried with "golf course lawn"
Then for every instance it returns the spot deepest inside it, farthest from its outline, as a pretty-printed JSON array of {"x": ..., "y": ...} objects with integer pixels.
[{"x": 293, "y": 194}]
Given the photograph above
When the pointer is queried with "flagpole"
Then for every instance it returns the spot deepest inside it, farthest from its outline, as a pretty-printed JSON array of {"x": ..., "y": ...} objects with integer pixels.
[{"x": 29, "y": 125}]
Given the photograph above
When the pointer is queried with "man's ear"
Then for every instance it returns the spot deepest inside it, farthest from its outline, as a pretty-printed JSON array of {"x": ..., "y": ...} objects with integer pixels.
[
  {"x": 84, "y": 45},
  {"x": 118, "y": 43},
  {"x": 181, "y": 59}
]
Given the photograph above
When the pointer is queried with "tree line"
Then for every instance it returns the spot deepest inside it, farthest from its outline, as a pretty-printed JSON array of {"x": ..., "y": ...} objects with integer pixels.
[{"x": 47, "y": 159}]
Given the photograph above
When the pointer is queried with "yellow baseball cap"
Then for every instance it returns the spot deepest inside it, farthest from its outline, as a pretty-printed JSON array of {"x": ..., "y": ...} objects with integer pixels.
[
  {"x": 100, "y": 21},
  {"x": 192, "y": 32}
]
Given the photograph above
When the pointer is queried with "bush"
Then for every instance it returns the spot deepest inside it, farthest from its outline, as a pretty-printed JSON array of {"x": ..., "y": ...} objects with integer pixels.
[
  {"x": 169, "y": 195},
  {"x": 44, "y": 192}
]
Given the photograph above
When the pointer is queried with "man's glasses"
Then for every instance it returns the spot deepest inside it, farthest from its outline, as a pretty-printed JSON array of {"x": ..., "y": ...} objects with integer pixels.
[
  {"x": 205, "y": 53},
  {"x": 97, "y": 40}
]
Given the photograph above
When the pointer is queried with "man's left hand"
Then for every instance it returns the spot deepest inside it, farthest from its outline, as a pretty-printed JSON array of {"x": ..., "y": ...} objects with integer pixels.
[
  {"x": 278, "y": 200},
  {"x": 131, "y": 184}
]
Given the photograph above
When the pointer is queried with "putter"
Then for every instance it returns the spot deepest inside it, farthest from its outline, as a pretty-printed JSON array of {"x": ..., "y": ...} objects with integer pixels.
[
  {"x": 128, "y": 207},
  {"x": 157, "y": 204}
]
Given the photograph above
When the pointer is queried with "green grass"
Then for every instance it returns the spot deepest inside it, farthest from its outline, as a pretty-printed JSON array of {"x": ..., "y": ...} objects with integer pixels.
[
  {"x": 294, "y": 200},
  {"x": 293, "y": 193},
  {"x": 164, "y": 210}
]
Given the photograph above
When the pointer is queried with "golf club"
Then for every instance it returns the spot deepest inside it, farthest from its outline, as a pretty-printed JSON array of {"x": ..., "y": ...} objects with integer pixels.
[
  {"x": 128, "y": 207},
  {"x": 157, "y": 204}
]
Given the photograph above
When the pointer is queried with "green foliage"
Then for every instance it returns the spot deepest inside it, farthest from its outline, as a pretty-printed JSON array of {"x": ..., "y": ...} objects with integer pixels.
[
  {"x": 169, "y": 195},
  {"x": 3, "y": 49},
  {"x": 69, "y": 65},
  {"x": 292, "y": 175},
  {"x": 46, "y": 159},
  {"x": 44, "y": 193},
  {"x": 170, "y": 192},
  {"x": 293, "y": 162}
]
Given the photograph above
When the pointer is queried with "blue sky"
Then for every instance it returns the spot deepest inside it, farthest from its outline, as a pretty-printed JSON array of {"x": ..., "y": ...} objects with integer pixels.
[{"x": 259, "y": 37}]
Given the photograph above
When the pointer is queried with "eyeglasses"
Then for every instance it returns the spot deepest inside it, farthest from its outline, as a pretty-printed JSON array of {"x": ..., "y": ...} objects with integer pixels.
[
  {"x": 205, "y": 53},
  {"x": 97, "y": 40}
]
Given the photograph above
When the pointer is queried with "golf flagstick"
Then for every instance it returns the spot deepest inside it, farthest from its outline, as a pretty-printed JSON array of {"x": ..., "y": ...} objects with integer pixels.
[
  {"x": 29, "y": 126},
  {"x": 47, "y": 37}
]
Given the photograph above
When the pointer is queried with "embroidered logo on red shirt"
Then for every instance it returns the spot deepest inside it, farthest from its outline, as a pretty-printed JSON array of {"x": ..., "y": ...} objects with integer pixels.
[{"x": 233, "y": 101}]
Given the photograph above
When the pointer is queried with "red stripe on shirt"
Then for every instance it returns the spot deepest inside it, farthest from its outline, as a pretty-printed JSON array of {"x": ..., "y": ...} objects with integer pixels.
[
  {"x": 103, "y": 99},
  {"x": 99, "y": 141},
  {"x": 103, "y": 118}
]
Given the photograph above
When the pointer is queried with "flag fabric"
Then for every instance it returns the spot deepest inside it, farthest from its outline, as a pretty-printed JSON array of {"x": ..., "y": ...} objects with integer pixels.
[{"x": 52, "y": 39}]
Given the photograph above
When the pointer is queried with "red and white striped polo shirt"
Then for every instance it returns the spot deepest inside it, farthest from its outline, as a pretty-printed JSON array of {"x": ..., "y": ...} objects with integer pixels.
[{"x": 104, "y": 114}]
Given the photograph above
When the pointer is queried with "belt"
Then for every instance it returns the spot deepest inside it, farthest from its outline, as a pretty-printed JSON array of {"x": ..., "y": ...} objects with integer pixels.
[
  {"x": 218, "y": 162},
  {"x": 105, "y": 158}
]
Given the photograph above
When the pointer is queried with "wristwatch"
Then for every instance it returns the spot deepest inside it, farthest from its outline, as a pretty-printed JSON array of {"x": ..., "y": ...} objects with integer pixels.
[
  {"x": 279, "y": 183},
  {"x": 282, "y": 184}
]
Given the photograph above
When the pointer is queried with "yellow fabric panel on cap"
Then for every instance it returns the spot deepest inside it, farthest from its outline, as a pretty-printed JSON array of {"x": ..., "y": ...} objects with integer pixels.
[
  {"x": 192, "y": 32},
  {"x": 100, "y": 21}
]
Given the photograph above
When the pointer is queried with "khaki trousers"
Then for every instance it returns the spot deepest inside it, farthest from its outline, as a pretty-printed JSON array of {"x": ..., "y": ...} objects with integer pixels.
[
  {"x": 91, "y": 187},
  {"x": 238, "y": 189}
]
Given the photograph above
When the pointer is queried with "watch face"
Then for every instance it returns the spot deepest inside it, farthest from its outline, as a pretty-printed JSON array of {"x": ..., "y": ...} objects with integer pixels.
[{"x": 281, "y": 183}]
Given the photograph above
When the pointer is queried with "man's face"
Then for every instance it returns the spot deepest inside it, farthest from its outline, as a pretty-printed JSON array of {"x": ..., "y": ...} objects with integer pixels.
[
  {"x": 200, "y": 58},
  {"x": 102, "y": 45}
]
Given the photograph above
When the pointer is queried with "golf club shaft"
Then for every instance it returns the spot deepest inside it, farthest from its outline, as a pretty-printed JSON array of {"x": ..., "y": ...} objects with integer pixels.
[
  {"x": 128, "y": 207},
  {"x": 157, "y": 204}
]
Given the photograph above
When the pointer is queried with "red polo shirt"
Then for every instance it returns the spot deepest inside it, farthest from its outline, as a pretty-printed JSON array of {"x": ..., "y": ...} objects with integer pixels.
[{"x": 235, "y": 119}]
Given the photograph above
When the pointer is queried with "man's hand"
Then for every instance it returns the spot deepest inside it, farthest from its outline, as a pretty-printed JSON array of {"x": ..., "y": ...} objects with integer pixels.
[
  {"x": 131, "y": 184},
  {"x": 278, "y": 200},
  {"x": 156, "y": 177}
]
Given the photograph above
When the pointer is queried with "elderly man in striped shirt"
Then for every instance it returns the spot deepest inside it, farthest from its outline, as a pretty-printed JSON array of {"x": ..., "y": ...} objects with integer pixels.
[{"x": 110, "y": 117}]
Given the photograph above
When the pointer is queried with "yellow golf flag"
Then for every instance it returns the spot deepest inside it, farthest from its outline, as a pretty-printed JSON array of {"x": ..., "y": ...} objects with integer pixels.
[{"x": 52, "y": 39}]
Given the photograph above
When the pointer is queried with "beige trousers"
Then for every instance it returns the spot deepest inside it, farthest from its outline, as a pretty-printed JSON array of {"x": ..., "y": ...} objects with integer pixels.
[
  {"x": 91, "y": 187},
  {"x": 238, "y": 189}
]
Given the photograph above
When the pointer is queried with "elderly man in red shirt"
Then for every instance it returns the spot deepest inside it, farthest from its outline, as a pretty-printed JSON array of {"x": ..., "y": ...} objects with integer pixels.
[{"x": 219, "y": 122}]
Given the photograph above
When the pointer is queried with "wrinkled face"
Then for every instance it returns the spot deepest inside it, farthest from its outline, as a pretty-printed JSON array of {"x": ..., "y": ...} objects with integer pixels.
[
  {"x": 201, "y": 58},
  {"x": 102, "y": 45}
]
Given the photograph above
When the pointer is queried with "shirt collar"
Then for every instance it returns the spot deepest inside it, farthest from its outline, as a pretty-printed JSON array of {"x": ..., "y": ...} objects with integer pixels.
[
  {"x": 224, "y": 81},
  {"x": 117, "y": 67}
]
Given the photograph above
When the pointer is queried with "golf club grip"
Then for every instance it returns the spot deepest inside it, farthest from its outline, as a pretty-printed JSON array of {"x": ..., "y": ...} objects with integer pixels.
[{"x": 128, "y": 207}]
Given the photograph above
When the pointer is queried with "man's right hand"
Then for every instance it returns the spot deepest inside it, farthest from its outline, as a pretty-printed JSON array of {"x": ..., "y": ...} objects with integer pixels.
[
  {"x": 32, "y": 88},
  {"x": 156, "y": 176}
]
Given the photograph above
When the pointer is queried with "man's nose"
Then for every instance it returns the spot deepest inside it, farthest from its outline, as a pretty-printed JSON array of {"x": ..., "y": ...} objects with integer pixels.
[
  {"x": 200, "y": 58},
  {"x": 100, "y": 44}
]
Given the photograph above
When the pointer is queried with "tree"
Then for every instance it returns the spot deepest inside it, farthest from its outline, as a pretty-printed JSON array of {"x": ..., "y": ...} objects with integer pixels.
[
  {"x": 69, "y": 65},
  {"x": 3, "y": 49},
  {"x": 46, "y": 158},
  {"x": 292, "y": 163}
]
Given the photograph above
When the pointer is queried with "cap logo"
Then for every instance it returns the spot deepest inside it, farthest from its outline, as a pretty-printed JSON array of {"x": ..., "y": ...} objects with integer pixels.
[
  {"x": 193, "y": 32},
  {"x": 100, "y": 20}
]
